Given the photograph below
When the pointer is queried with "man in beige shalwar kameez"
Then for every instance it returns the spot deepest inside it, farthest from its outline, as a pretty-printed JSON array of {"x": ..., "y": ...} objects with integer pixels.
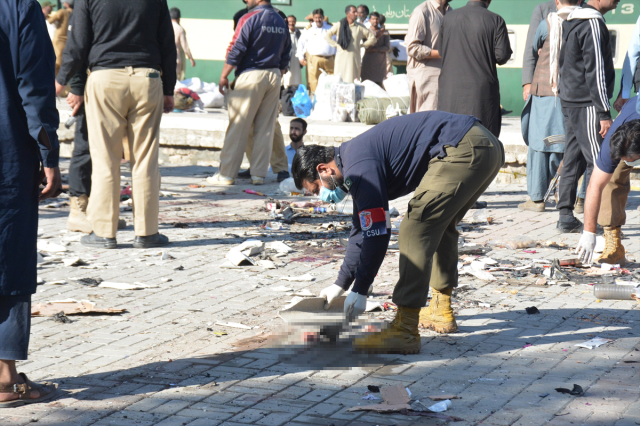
[
  {"x": 348, "y": 60},
  {"x": 423, "y": 59},
  {"x": 182, "y": 47}
]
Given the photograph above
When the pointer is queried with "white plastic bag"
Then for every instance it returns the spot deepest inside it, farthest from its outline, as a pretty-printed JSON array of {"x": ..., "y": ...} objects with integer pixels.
[
  {"x": 193, "y": 83},
  {"x": 372, "y": 90},
  {"x": 402, "y": 50},
  {"x": 212, "y": 99},
  {"x": 288, "y": 186},
  {"x": 322, "y": 109},
  {"x": 397, "y": 85}
]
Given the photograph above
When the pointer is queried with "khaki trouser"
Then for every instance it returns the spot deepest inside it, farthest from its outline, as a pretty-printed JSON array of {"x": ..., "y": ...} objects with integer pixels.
[
  {"x": 279, "y": 161},
  {"x": 428, "y": 237},
  {"x": 614, "y": 197},
  {"x": 124, "y": 103},
  {"x": 314, "y": 65},
  {"x": 253, "y": 101}
]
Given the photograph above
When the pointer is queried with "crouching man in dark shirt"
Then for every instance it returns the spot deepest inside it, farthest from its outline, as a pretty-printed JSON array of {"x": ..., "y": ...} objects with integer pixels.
[{"x": 448, "y": 160}]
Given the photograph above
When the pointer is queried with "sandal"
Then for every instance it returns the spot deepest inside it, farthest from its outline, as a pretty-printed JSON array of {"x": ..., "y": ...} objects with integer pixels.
[{"x": 47, "y": 391}]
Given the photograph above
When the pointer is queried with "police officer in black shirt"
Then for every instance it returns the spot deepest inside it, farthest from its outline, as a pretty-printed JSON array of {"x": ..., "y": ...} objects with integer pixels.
[{"x": 449, "y": 160}]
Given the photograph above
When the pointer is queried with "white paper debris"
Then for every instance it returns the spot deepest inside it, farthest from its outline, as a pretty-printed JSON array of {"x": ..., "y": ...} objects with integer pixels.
[
  {"x": 279, "y": 246},
  {"x": 600, "y": 243},
  {"x": 608, "y": 266},
  {"x": 305, "y": 277},
  {"x": 370, "y": 397},
  {"x": 267, "y": 264},
  {"x": 482, "y": 275},
  {"x": 74, "y": 261},
  {"x": 594, "y": 343},
  {"x": 126, "y": 286},
  {"x": 281, "y": 288},
  {"x": 373, "y": 306},
  {"x": 233, "y": 325}
]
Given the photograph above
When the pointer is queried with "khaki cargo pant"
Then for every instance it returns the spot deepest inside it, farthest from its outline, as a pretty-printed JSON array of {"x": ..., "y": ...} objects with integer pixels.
[
  {"x": 314, "y": 65},
  {"x": 121, "y": 104},
  {"x": 253, "y": 101},
  {"x": 428, "y": 237},
  {"x": 279, "y": 161},
  {"x": 614, "y": 197}
]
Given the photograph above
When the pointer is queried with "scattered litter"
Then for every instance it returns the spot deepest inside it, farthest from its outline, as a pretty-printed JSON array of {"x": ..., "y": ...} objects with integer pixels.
[
  {"x": 608, "y": 266},
  {"x": 393, "y": 212},
  {"x": 281, "y": 288},
  {"x": 74, "y": 261},
  {"x": 577, "y": 390},
  {"x": 373, "y": 388},
  {"x": 481, "y": 216},
  {"x": 233, "y": 325},
  {"x": 70, "y": 307},
  {"x": 373, "y": 306},
  {"x": 519, "y": 242},
  {"x": 532, "y": 310},
  {"x": 49, "y": 247},
  {"x": 126, "y": 286},
  {"x": 267, "y": 264},
  {"x": 90, "y": 282},
  {"x": 396, "y": 398},
  {"x": 238, "y": 258},
  {"x": 167, "y": 256},
  {"x": 600, "y": 244},
  {"x": 61, "y": 317},
  {"x": 56, "y": 282},
  {"x": 594, "y": 343},
  {"x": 441, "y": 407},
  {"x": 370, "y": 397},
  {"x": 443, "y": 397},
  {"x": 279, "y": 246},
  {"x": 305, "y": 277}
]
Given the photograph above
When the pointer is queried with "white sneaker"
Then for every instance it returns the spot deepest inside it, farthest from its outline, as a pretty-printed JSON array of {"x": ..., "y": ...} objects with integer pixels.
[
  {"x": 257, "y": 180},
  {"x": 218, "y": 179}
]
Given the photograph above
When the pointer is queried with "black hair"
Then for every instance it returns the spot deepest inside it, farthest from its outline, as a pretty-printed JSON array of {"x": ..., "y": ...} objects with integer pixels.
[
  {"x": 365, "y": 7},
  {"x": 301, "y": 121},
  {"x": 625, "y": 142},
  {"x": 305, "y": 162},
  {"x": 348, "y": 8},
  {"x": 376, "y": 14},
  {"x": 174, "y": 13},
  {"x": 318, "y": 12},
  {"x": 570, "y": 2},
  {"x": 291, "y": 16},
  {"x": 383, "y": 20}
]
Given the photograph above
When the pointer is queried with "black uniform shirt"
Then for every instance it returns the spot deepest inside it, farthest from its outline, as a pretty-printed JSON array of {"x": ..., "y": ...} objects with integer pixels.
[{"x": 383, "y": 164}]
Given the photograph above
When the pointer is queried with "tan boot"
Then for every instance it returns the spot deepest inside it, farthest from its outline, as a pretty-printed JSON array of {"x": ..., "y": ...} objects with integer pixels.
[
  {"x": 613, "y": 250},
  {"x": 78, "y": 221},
  {"x": 438, "y": 316},
  {"x": 532, "y": 206},
  {"x": 579, "y": 206},
  {"x": 400, "y": 337}
]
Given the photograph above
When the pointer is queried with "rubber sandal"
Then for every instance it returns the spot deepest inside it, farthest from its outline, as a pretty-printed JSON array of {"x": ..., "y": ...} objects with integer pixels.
[{"x": 47, "y": 391}]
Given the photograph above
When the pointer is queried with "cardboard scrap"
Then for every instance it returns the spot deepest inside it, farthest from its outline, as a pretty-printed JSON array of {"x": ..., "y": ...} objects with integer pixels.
[
  {"x": 305, "y": 277},
  {"x": 396, "y": 398},
  {"x": 70, "y": 307},
  {"x": 49, "y": 247}
]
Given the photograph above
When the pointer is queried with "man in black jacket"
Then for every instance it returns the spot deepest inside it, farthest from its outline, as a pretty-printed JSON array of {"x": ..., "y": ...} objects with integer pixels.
[
  {"x": 126, "y": 93},
  {"x": 586, "y": 84}
]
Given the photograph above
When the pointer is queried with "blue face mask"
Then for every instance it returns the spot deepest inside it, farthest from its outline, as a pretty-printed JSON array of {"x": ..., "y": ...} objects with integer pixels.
[{"x": 331, "y": 195}]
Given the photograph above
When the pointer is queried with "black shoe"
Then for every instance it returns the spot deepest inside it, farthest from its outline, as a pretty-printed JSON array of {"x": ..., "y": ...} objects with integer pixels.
[
  {"x": 479, "y": 205},
  {"x": 156, "y": 240},
  {"x": 92, "y": 240},
  {"x": 245, "y": 175},
  {"x": 569, "y": 227},
  {"x": 283, "y": 175}
]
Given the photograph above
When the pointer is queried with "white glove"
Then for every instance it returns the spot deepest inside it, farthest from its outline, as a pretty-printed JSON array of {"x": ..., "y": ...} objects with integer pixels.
[
  {"x": 354, "y": 305},
  {"x": 586, "y": 246},
  {"x": 330, "y": 293}
]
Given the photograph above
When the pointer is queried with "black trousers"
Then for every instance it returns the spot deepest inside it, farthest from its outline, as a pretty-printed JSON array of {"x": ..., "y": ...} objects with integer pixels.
[
  {"x": 80, "y": 167},
  {"x": 583, "y": 142}
]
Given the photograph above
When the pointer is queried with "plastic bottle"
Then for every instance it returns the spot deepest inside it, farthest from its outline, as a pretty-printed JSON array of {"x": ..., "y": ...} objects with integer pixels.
[
  {"x": 441, "y": 406},
  {"x": 614, "y": 292},
  {"x": 289, "y": 186}
]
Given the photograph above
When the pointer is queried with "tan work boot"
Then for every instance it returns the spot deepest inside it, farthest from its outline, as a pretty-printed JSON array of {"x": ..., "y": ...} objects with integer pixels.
[
  {"x": 613, "y": 252},
  {"x": 400, "y": 337},
  {"x": 78, "y": 221},
  {"x": 579, "y": 206},
  {"x": 438, "y": 316},
  {"x": 532, "y": 206}
]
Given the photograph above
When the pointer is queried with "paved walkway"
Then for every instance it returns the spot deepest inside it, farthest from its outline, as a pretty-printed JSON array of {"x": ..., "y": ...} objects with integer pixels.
[{"x": 162, "y": 363}]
